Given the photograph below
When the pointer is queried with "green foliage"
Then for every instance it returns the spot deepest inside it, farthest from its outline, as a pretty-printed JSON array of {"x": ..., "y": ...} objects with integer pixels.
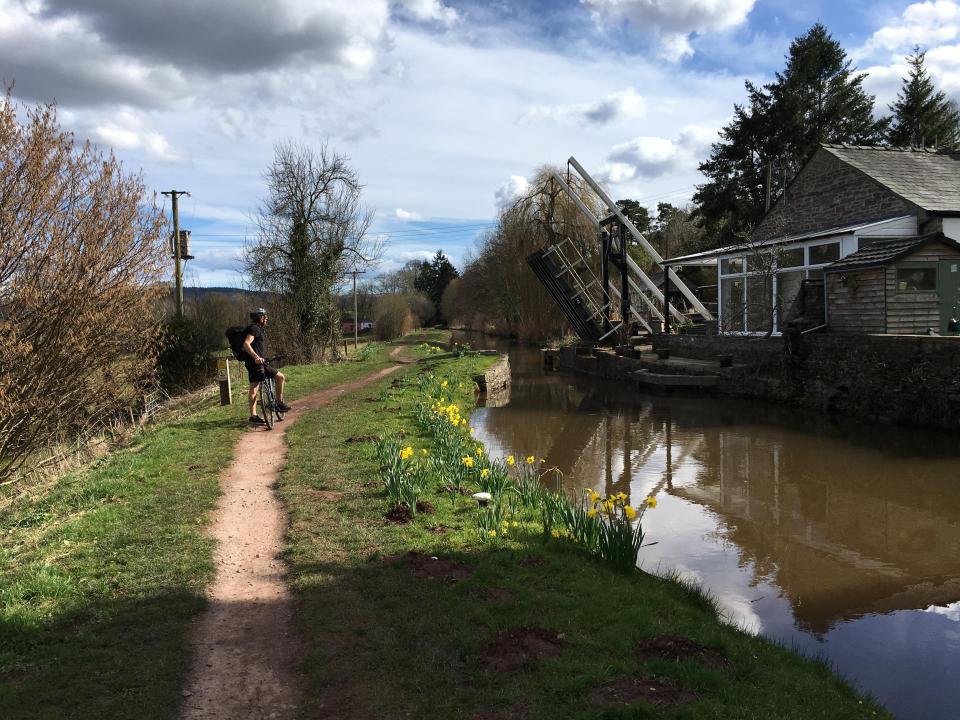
[
  {"x": 432, "y": 280},
  {"x": 184, "y": 360},
  {"x": 922, "y": 115},
  {"x": 818, "y": 98}
]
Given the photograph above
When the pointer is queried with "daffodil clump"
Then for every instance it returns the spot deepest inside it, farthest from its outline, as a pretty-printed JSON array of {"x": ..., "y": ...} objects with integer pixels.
[
  {"x": 405, "y": 472},
  {"x": 619, "y": 532},
  {"x": 430, "y": 349}
]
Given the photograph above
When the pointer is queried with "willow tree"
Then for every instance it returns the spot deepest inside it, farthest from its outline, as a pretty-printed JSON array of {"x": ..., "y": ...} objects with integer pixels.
[{"x": 312, "y": 230}]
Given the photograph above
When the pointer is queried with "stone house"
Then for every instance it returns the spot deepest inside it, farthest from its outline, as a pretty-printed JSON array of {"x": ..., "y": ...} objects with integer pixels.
[{"x": 863, "y": 240}]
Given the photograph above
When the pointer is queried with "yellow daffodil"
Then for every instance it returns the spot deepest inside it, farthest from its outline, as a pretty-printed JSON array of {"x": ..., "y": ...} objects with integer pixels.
[
  {"x": 651, "y": 501},
  {"x": 472, "y": 430},
  {"x": 555, "y": 533},
  {"x": 515, "y": 524},
  {"x": 406, "y": 453},
  {"x": 592, "y": 513},
  {"x": 491, "y": 533},
  {"x": 468, "y": 461},
  {"x": 504, "y": 523},
  {"x": 530, "y": 459},
  {"x": 444, "y": 383},
  {"x": 629, "y": 512},
  {"x": 479, "y": 452},
  {"x": 594, "y": 497},
  {"x": 511, "y": 461},
  {"x": 423, "y": 451},
  {"x": 622, "y": 497},
  {"x": 484, "y": 472}
]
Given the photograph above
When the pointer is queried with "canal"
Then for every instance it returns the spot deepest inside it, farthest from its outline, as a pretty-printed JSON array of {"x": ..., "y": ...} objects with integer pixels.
[{"x": 837, "y": 538}]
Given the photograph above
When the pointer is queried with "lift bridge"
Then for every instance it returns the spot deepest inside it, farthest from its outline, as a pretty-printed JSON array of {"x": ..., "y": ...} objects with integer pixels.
[{"x": 588, "y": 301}]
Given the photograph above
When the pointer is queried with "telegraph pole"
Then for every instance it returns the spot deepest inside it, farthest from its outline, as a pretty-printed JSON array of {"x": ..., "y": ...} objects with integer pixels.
[
  {"x": 177, "y": 251},
  {"x": 356, "y": 317}
]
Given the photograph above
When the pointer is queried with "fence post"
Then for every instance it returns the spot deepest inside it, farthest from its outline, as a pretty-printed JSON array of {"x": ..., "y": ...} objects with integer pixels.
[{"x": 223, "y": 377}]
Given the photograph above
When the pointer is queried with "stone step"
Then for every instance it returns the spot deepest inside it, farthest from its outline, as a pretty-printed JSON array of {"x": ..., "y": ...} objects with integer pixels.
[{"x": 645, "y": 377}]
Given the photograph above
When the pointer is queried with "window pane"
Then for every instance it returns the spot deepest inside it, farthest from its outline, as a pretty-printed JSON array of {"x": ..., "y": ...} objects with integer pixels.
[
  {"x": 760, "y": 261},
  {"x": 759, "y": 303},
  {"x": 730, "y": 266},
  {"x": 731, "y": 296},
  {"x": 820, "y": 254},
  {"x": 916, "y": 279},
  {"x": 788, "y": 290},
  {"x": 791, "y": 258}
]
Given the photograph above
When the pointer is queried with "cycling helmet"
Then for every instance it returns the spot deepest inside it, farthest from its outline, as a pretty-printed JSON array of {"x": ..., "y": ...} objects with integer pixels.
[{"x": 255, "y": 315}]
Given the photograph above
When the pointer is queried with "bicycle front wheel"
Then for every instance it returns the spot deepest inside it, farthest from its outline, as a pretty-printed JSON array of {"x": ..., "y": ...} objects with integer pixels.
[{"x": 266, "y": 402}]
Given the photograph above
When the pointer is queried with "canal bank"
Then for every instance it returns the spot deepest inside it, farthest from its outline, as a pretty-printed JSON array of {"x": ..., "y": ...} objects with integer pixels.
[
  {"x": 892, "y": 379},
  {"x": 835, "y": 537}
]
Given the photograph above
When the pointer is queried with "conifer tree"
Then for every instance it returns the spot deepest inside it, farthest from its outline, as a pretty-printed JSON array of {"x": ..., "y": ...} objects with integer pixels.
[
  {"x": 817, "y": 98},
  {"x": 922, "y": 115}
]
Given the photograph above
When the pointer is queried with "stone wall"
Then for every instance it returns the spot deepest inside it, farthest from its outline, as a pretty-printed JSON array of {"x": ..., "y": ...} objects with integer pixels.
[
  {"x": 912, "y": 379},
  {"x": 908, "y": 379},
  {"x": 829, "y": 193},
  {"x": 496, "y": 377}
]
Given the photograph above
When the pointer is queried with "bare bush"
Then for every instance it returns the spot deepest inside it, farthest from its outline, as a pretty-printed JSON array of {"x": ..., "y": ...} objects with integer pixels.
[
  {"x": 312, "y": 231},
  {"x": 80, "y": 258}
]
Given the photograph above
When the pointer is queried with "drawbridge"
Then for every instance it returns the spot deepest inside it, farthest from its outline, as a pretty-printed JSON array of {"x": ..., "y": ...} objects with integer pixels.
[{"x": 599, "y": 308}]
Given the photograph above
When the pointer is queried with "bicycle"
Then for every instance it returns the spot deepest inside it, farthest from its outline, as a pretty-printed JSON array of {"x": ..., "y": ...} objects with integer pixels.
[{"x": 268, "y": 397}]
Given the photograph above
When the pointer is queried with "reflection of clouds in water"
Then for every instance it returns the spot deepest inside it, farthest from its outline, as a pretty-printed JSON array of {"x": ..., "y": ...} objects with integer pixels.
[
  {"x": 951, "y": 611},
  {"x": 739, "y": 612}
]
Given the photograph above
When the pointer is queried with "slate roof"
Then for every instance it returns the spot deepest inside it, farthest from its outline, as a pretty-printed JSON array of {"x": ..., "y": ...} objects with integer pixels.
[
  {"x": 929, "y": 179},
  {"x": 881, "y": 252}
]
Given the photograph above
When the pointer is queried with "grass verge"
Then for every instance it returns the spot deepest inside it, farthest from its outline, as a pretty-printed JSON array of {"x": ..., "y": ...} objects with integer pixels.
[
  {"x": 100, "y": 577},
  {"x": 517, "y": 627}
]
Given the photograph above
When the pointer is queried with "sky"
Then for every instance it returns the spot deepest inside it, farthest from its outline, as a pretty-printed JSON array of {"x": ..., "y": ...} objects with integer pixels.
[{"x": 446, "y": 108}]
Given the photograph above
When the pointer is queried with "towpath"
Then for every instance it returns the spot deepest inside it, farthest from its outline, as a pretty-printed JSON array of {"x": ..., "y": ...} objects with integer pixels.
[{"x": 244, "y": 651}]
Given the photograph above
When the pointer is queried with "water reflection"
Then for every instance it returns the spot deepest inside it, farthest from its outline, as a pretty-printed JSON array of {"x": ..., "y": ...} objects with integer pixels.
[{"x": 836, "y": 537}]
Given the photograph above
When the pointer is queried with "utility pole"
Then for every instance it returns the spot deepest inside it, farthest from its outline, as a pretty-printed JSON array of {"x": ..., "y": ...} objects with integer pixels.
[
  {"x": 177, "y": 251},
  {"x": 356, "y": 317},
  {"x": 769, "y": 183}
]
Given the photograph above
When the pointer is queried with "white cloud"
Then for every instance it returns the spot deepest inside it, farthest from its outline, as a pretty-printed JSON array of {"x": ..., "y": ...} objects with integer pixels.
[
  {"x": 642, "y": 156},
  {"x": 926, "y": 24},
  {"x": 674, "y": 20},
  {"x": 129, "y": 130},
  {"x": 407, "y": 216},
  {"x": 626, "y": 104},
  {"x": 511, "y": 191},
  {"x": 429, "y": 11}
]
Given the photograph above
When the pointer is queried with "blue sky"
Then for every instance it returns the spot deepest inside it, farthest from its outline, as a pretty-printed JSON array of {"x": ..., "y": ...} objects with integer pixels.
[{"x": 445, "y": 107}]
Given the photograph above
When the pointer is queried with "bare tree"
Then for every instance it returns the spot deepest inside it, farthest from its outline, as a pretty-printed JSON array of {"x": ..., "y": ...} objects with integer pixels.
[
  {"x": 312, "y": 229},
  {"x": 81, "y": 251}
]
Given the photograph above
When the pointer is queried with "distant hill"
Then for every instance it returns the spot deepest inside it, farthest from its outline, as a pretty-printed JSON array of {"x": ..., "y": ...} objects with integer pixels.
[{"x": 192, "y": 293}]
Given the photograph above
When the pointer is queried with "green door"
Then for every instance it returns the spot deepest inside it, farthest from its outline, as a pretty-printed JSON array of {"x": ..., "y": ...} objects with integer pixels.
[{"x": 949, "y": 287}]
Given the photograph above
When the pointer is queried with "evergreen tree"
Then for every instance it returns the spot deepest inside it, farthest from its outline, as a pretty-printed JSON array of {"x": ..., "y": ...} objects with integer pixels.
[
  {"x": 432, "y": 280},
  {"x": 922, "y": 115},
  {"x": 818, "y": 98}
]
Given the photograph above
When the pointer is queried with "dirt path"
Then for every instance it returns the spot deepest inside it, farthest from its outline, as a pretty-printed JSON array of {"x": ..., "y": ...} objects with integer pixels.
[{"x": 243, "y": 649}]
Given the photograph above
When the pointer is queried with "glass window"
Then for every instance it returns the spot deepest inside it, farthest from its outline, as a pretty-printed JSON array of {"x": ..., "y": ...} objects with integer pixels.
[
  {"x": 731, "y": 298},
  {"x": 731, "y": 266},
  {"x": 916, "y": 279},
  {"x": 761, "y": 261},
  {"x": 788, "y": 290},
  {"x": 820, "y": 254},
  {"x": 759, "y": 303},
  {"x": 791, "y": 257}
]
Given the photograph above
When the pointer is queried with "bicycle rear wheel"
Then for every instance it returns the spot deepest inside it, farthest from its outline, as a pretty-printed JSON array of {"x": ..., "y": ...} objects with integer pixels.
[{"x": 266, "y": 402}]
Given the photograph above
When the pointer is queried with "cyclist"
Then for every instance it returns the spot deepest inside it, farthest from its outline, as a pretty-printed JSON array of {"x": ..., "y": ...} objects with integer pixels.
[{"x": 257, "y": 368}]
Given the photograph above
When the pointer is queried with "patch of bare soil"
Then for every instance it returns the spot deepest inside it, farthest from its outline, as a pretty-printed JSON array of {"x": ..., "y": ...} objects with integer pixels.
[
  {"x": 453, "y": 490},
  {"x": 439, "y": 529},
  {"x": 362, "y": 438},
  {"x": 425, "y": 507},
  {"x": 399, "y": 514},
  {"x": 514, "y": 712},
  {"x": 677, "y": 648},
  {"x": 242, "y": 646},
  {"x": 329, "y": 495},
  {"x": 437, "y": 568},
  {"x": 518, "y": 648},
  {"x": 631, "y": 690}
]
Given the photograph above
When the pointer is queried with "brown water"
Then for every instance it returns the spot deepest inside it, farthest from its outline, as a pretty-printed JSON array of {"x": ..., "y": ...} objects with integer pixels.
[{"x": 838, "y": 538}]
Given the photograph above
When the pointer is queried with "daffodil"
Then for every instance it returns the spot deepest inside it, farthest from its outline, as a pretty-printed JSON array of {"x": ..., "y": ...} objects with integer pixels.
[
  {"x": 592, "y": 513},
  {"x": 555, "y": 533},
  {"x": 491, "y": 533},
  {"x": 629, "y": 512},
  {"x": 406, "y": 453},
  {"x": 472, "y": 430},
  {"x": 484, "y": 472},
  {"x": 530, "y": 459},
  {"x": 651, "y": 501},
  {"x": 423, "y": 451},
  {"x": 444, "y": 383},
  {"x": 511, "y": 461},
  {"x": 468, "y": 461},
  {"x": 515, "y": 524},
  {"x": 479, "y": 452}
]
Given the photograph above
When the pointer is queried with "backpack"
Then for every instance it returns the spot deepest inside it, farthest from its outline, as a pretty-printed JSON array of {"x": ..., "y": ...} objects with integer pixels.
[{"x": 236, "y": 334}]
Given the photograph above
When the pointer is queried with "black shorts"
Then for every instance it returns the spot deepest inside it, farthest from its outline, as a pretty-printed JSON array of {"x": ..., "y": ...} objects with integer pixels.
[{"x": 256, "y": 373}]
